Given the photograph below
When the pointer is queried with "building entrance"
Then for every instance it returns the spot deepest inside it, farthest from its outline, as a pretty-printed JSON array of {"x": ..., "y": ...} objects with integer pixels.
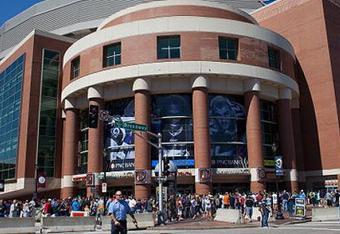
[{"x": 222, "y": 188}]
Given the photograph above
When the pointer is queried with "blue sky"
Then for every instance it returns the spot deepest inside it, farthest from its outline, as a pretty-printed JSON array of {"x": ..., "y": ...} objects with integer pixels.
[{"x": 10, "y": 8}]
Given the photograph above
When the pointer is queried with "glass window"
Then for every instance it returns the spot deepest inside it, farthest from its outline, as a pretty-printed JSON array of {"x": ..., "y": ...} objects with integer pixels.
[
  {"x": 227, "y": 129},
  {"x": 274, "y": 58},
  {"x": 10, "y": 102},
  {"x": 75, "y": 67},
  {"x": 48, "y": 112},
  {"x": 270, "y": 133},
  {"x": 83, "y": 143},
  {"x": 228, "y": 48},
  {"x": 112, "y": 55},
  {"x": 168, "y": 47}
]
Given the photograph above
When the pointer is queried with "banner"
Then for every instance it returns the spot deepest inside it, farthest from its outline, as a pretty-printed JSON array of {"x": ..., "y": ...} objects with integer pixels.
[
  {"x": 41, "y": 180},
  {"x": 279, "y": 166},
  {"x": 203, "y": 175},
  {"x": 119, "y": 144},
  {"x": 142, "y": 177},
  {"x": 90, "y": 180},
  {"x": 227, "y": 127}
]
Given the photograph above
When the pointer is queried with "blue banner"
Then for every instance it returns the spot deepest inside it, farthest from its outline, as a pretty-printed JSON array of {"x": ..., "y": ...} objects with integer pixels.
[{"x": 279, "y": 166}]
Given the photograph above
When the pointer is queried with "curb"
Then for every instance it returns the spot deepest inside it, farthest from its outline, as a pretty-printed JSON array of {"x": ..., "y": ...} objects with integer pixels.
[
  {"x": 296, "y": 222},
  {"x": 202, "y": 228}
]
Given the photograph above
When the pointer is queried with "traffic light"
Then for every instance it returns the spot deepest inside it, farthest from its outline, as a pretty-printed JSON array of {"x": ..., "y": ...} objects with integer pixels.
[
  {"x": 166, "y": 167},
  {"x": 93, "y": 116},
  {"x": 2, "y": 185}
]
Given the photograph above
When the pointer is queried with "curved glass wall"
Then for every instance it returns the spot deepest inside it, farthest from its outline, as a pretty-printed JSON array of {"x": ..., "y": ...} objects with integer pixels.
[
  {"x": 227, "y": 124},
  {"x": 270, "y": 133},
  {"x": 10, "y": 103},
  {"x": 171, "y": 115},
  {"x": 119, "y": 142}
]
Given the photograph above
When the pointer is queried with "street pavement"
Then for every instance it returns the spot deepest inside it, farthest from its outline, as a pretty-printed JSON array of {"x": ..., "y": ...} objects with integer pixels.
[{"x": 301, "y": 228}]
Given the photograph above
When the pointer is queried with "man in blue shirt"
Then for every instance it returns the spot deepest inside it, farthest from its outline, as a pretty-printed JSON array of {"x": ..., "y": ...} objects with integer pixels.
[{"x": 118, "y": 209}]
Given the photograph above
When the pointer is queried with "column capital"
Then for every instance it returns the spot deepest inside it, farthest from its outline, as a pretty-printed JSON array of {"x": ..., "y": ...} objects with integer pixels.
[
  {"x": 251, "y": 85},
  {"x": 285, "y": 93},
  {"x": 95, "y": 92},
  {"x": 200, "y": 82},
  {"x": 69, "y": 103},
  {"x": 141, "y": 84}
]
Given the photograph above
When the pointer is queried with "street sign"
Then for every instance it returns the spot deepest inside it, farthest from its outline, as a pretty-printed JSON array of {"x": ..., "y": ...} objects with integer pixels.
[
  {"x": 131, "y": 126},
  {"x": 300, "y": 207},
  {"x": 104, "y": 187}
]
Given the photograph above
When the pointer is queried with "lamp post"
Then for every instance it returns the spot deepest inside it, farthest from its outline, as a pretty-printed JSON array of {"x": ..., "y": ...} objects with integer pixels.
[
  {"x": 106, "y": 168},
  {"x": 279, "y": 214},
  {"x": 35, "y": 194}
]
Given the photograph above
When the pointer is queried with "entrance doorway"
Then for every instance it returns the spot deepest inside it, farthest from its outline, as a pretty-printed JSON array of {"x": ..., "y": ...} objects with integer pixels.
[{"x": 222, "y": 188}]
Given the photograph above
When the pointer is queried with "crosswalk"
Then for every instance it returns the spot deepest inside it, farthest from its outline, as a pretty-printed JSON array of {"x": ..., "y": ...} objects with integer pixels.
[{"x": 333, "y": 226}]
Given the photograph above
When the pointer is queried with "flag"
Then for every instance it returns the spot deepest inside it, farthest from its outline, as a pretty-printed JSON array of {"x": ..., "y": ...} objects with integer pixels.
[{"x": 41, "y": 180}]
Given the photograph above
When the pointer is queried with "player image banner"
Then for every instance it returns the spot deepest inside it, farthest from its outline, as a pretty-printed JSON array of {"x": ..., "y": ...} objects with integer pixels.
[
  {"x": 227, "y": 131},
  {"x": 119, "y": 144}
]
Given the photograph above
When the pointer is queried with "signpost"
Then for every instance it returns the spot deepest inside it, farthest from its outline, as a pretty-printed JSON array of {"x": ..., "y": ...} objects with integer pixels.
[
  {"x": 104, "y": 187},
  {"x": 300, "y": 207},
  {"x": 105, "y": 116}
]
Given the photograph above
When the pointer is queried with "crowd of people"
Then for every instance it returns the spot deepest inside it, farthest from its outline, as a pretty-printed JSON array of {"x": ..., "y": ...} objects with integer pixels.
[{"x": 178, "y": 207}]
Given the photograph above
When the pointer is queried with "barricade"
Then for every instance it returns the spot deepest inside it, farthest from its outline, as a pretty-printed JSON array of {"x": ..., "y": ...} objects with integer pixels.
[
  {"x": 144, "y": 220},
  {"x": 325, "y": 214},
  {"x": 228, "y": 215},
  {"x": 79, "y": 214},
  {"x": 256, "y": 214},
  {"x": 17, "y": 225},
  {"x": 67, "y": 224}
]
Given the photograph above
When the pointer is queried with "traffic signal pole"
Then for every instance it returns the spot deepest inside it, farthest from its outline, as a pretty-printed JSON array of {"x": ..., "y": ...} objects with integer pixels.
[{"x": 105, "y": 116}]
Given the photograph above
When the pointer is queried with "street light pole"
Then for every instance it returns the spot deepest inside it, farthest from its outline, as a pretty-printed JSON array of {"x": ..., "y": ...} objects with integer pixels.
[
  {"x": 35, "y": 196},
  {"x": 160, "y": 196}
]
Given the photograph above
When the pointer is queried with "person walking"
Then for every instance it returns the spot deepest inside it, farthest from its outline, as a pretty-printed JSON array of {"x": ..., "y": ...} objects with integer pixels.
[
  {"x": 264, "y": 214},
  {"x": 118, "y": 210},
  {"x": 249, "y": 207}
]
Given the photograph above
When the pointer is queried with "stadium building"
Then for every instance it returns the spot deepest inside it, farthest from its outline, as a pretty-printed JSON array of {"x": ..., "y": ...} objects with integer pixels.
[{"x": 227, "y": 84}]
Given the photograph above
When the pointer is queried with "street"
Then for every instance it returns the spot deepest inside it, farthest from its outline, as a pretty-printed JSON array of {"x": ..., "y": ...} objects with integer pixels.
[{"x": 310, "y": 228}]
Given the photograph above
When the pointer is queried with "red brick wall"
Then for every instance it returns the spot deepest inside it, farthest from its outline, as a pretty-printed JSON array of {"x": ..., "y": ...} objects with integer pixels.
[
  {"x": 28, "y": 130},
  {"x": 303, "y": 23},
  {"x": 195, "y": 46}
]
